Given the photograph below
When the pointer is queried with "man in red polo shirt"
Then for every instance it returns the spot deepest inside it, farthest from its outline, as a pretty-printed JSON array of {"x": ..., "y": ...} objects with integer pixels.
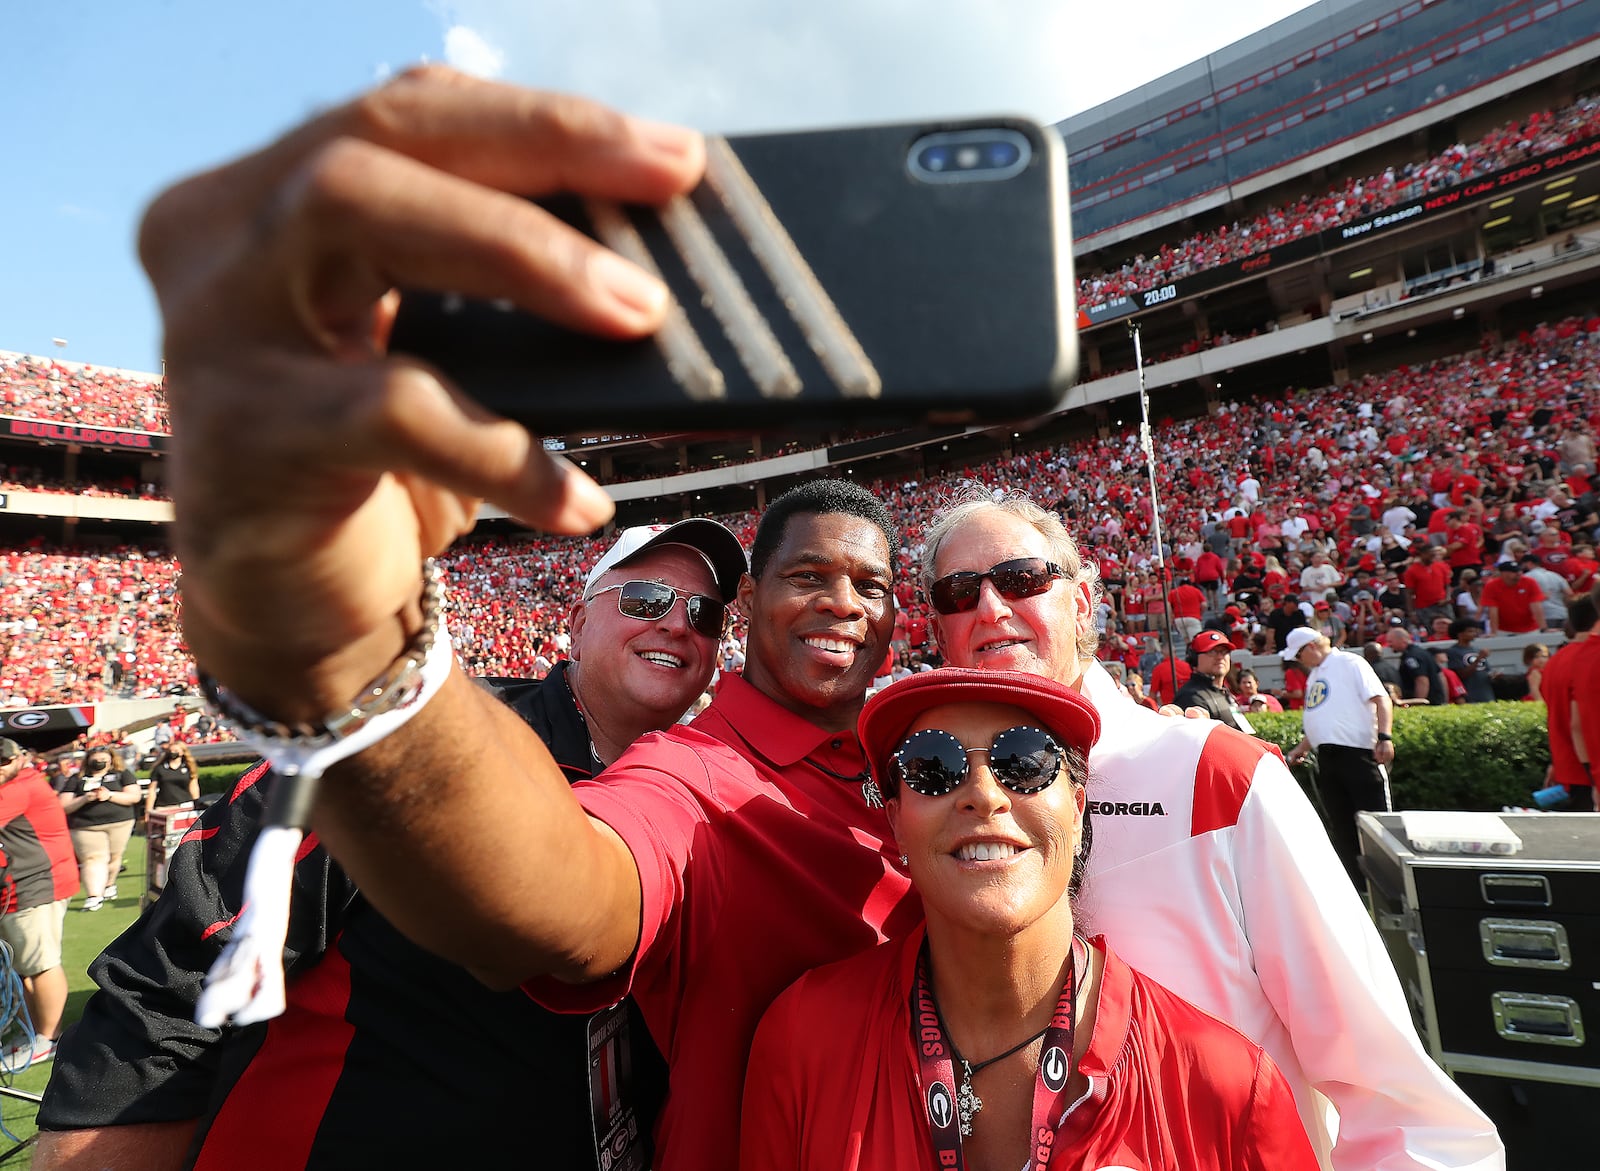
[
  {"x": 1580, "y": 568},
  {"x": 1188, "y": 603},
  {"x": 1512, "y": 601},
  {"x": 44, "y": 871},
  {"x": 1585, "y": 704},
  {"x": 1463, "y": 543},
  {"x": 1557, "y": 687},
  {"x": 1427, "y": 582}
]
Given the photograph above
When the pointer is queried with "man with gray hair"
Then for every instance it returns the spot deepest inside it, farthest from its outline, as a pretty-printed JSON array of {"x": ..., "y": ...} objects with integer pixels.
[{"x": 1210, "y": 870}]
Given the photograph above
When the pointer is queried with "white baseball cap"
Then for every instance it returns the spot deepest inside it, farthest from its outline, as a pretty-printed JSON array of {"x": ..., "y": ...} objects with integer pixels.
[
  {"x": 1298, "y": 638},
  {"x": 713, "y": 541}
]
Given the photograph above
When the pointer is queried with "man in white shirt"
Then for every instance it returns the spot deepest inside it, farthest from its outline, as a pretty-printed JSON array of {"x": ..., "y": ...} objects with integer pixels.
[
  {"x": 1348, "y": 718},
  {"x": 1397, "y": 518}
]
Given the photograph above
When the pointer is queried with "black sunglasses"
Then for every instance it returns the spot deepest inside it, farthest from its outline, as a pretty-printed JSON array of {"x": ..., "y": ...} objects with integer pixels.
[
  {"x": 1026, "y": 577},
  {"x": 650, "y": 601},
  {"x": 933, "y": 762}
]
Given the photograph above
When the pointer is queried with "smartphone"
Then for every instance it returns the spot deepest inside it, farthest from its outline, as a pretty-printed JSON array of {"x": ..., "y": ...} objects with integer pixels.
[{"x": 895, "y": 275}]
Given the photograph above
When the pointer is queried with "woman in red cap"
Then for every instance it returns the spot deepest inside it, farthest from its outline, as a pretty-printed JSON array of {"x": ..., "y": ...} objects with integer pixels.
[{"x": 998, "y": 1037}]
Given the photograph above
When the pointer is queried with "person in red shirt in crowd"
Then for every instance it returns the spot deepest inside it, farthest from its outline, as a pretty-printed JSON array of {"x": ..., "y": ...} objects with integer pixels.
[
  {"x": 1135, "y": 689},
  {"x": 1427, "y": 582},
  {"x": 1439, "y": 482},
  {"x": 1512, "y": 602},
  {"x": 1294, "y": 686},
  {"x": 1567, "y": 767},
  {"x": 1463, "y": 544},
  {"x": 1580, "y": 568},
  {"x": 1463, "y": 486},
  {"x": 1554, "y": 547},
  {"x": 42, "y": 878},
  {"x": 1584, "y": 707},
  {"x": 917, "y": 628},
  {"x": 1249, "y": 696},
  {"x": 1455, "y": 691},
  {"x": 1208, "y": 573},
  {"x": 1162, "y": 689},
  {"x": 1274, "y": 579},
  {"x": 1188, "y": 604}
]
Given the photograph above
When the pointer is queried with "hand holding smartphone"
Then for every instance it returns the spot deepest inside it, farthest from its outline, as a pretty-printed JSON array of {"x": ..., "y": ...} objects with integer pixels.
[{"x": 876, "y": 275}]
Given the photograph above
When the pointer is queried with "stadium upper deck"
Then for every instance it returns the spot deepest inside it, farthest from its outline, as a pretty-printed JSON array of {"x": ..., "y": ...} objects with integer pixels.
[{"x": 1316, "y": 88}]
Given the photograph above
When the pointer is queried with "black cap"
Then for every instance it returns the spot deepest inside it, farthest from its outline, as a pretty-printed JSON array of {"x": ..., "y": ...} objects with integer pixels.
[{"x": 9, "y": 750}]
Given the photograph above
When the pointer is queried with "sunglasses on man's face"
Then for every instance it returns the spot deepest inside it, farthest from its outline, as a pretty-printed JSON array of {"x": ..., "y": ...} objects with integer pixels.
[
  {"x": 1026, "y": 577},
  {"x": 650, "y": 601},
  {"x": 933, "y": 762}
]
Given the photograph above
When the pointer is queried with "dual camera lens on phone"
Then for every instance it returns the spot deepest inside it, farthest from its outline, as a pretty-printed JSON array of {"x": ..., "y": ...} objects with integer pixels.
[{"x": 964, "y": 156}]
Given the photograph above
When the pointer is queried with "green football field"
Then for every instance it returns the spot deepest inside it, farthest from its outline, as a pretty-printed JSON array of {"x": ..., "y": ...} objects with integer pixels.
[{"x": 85, "y": 936}]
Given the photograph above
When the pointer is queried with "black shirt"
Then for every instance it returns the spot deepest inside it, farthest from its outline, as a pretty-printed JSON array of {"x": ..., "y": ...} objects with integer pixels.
[
  {"x": 1386, "y": 672},
  {"x": 98, "y": 813},
  {"x": 171, "y": 782},
  {"x": 1281, "y": 622},
  {"x": 387, "y": 1055},
  {"x": 1202, "y": 692},
  {"x": 1416, "y": 662}
]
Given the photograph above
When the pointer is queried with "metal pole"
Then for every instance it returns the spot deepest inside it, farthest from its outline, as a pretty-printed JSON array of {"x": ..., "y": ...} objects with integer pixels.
[{"x": 1147, "y": 445}]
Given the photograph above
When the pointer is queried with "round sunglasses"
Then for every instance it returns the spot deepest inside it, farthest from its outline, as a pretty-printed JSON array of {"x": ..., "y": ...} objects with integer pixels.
[
  {"x": 933, "y": 762},
  {"x": 1025, "y": 577},
  {"x": 650, "y": 601}
]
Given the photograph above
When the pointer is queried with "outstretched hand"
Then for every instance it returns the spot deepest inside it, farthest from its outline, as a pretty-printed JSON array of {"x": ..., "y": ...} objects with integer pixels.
[{"x": 311, "y": 472}]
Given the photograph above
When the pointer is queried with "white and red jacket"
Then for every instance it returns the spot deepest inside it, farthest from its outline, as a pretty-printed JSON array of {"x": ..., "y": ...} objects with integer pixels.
[{"x": 1211, "y": 873}]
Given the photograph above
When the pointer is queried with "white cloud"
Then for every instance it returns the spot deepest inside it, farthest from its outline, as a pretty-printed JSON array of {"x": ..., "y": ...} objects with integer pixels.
[
  {"x": 75, "y": 211},
  {"x": 757, "y": 64},
  {"x": 469, "y": 51}
]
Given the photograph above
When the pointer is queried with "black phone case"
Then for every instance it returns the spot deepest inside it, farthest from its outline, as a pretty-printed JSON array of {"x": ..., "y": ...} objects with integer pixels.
[{"x": 869, "y": 295}]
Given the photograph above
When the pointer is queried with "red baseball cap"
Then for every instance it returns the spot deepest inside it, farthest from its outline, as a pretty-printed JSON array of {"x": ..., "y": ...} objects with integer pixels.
[
  {"x": 1210, "y": 640},
  {"x": 889, "y": 714}
]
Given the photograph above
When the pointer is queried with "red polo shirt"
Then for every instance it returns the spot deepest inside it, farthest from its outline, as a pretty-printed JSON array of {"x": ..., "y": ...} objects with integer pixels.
[
  {"x": 1514, "y": 602},
  {"x": 1470, "y": 537},
  {"x": 1586, "y": 693},
  {"x": 835, "y": 1083},
  {"x": 755, "y": 865},
  {"x": 1556, "y": 687},
  {"x": 1187, "y": 602},
  {"x": 38, "y": 849},
  {"x": 1429, "y": 584}
]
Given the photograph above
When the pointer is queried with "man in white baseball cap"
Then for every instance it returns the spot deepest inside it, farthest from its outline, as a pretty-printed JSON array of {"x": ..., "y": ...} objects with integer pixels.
[{"x": 716, "y": 544}]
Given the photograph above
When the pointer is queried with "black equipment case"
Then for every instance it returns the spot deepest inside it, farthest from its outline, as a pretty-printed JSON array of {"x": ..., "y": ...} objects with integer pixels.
[{"x": 1500, "y": 958}]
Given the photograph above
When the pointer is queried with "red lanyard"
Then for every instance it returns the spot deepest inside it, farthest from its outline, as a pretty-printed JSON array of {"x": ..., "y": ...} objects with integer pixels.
[{"x": 938, "y": 1081}]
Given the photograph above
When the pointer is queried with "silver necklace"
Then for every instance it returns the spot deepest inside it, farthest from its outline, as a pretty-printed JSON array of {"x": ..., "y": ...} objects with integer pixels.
[
  {"x": 870, "y": 793},
  {"x": 967, "y": 1101}
]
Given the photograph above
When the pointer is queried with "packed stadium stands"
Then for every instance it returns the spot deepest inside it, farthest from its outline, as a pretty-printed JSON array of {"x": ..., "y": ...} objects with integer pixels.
[
  {"x": 1490, "y": 431},
  {"x": 1353, "y": 199},
  {"x": 1404, "y": 309}
]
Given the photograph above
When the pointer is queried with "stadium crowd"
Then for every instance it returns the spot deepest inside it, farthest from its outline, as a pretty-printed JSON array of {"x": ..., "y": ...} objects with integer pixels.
[
  {"x": 40, "y": 388},
  {"x": 1323, "y": 502},
  {"x": 1355, "y": 198}
]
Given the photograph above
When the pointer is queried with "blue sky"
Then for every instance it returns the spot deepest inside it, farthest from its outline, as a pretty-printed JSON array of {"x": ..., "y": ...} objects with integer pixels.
[{"x": 106, "y": 103}]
